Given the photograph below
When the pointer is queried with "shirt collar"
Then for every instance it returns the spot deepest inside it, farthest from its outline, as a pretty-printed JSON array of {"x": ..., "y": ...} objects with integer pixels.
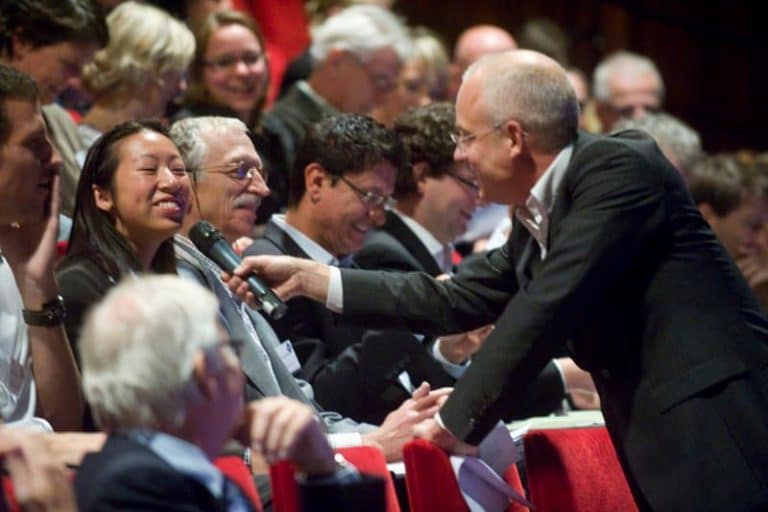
[
  {"x": 435, "y": 247},
  {"x": 183, "y": 456},
  {"x": 535, "y": 214},
  {"x": 545, "y": 189},
  {"x": 309, "y": 246}
]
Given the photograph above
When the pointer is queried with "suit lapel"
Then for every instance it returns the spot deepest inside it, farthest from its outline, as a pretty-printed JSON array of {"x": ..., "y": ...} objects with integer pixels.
[
  {"x": 269, "y": 341},
  {"x": 283, "y": 241},
  {"x": 403, "y": 234}
]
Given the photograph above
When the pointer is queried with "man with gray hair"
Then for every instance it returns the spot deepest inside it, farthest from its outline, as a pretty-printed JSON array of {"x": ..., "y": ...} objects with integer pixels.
[
  {"x": 679, "y": 142},
  {"x": 625, "y": 84},
  {"x": 227, "y": 184},
  {"x": 357, "y": 55},
  {"x": 164, "y": 382},
  {"x": 610, "y": 260}
]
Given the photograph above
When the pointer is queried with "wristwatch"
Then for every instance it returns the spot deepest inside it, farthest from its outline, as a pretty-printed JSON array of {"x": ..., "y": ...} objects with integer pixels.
[{"x": 51, "y": 315}]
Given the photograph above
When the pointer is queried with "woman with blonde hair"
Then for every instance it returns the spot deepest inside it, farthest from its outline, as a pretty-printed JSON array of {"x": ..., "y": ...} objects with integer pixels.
[{"x": 139, "y": 72}]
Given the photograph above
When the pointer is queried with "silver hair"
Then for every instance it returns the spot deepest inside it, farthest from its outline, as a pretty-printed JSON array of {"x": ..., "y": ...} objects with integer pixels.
[
  {"x": 362, "y": 30},
  {"x": 538, "y": 97},
  {"x": 144, "y": 43},
  {"x": 679, "y": 142},
  {"x": 622, "y": 63},
  {"x": 187, "y": 135},
  {"x": 138, "y": 347}
]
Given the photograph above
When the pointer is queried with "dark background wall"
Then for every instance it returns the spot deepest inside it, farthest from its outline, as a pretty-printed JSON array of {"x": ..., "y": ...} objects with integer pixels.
[{"x": 711, "y": 55}]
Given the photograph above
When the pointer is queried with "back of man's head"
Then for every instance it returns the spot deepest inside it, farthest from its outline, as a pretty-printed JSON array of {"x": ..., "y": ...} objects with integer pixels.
[
  {"x": 14, "y": 85},
  {"x": 360, "y": 29},
  {"x": 138, "y": 348},
  {"x": 47, "y": 22},
  {"x": 343, "y": 145},
  {"x": 424, "y": 131},
  {"x": 478, "y": 41},
  {"x": 679, "y": 142},
  {"x": 532, "y": 89}
]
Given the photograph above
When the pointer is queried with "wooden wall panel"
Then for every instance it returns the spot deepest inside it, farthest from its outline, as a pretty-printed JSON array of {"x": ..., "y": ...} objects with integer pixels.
[{"x": 710, "y": 54}]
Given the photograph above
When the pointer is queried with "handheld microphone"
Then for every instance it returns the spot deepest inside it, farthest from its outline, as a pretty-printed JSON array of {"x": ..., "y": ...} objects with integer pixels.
[{"x": 211, "y": 243}]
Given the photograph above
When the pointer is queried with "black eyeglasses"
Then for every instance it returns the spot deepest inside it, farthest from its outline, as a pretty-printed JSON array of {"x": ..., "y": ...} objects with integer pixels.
[
  {"x": 239, "y": 171},
  {"x": 370, "y": 199},
  {"x": 229, "y": 60},
  {"x": 471, "y": 184}
]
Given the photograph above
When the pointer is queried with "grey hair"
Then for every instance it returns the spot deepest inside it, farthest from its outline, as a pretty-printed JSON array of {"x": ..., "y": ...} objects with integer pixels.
[
  {"x": 144, "y": 43},
  {"x": 538, "y": 97},
  {"x": 187, "y": 135},
  {"x": 138, "y": 347},
  {"x": 622, "y": 63},
  {"x": 362, "y": 30},
  {"x": 678, "y": 141},
  {"x": 430, "y": 51}
]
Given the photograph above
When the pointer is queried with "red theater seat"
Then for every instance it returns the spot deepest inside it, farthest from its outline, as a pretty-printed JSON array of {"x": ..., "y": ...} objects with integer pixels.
[
  {"x": 575, "y": 469},
  {"x": 367, "y": 459},
  {"x": 432, "y": 484}
]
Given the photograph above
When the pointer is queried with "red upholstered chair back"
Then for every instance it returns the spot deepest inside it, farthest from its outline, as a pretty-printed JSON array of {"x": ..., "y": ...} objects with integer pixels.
[
  {"x": 367, "y": 459},
  {"x": 235, "y": 469},
  {"x": 432, "y": 484},
  {"x": 575, "y": 469}
]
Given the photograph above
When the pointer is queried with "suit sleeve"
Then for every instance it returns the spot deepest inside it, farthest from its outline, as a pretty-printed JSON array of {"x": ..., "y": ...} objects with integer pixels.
[
  {"x": 475, "y": 296},
  {"x": 617, "y": 208}
]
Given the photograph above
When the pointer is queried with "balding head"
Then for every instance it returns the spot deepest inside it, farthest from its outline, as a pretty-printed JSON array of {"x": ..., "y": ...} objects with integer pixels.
[
  {"x": 481, "y": 40},
  {"x": 532, "y": 89}
]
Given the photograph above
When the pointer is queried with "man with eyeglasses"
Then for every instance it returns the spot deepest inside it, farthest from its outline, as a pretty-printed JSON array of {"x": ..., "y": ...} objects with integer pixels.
[
  {"x": 166, "y": 386},
  {"x": 626, "y": 85},
  {"x": 609, "y": 259},
  {"x": 340, "y": 190},
  {"x": 357, "y": 55},
  {"x": 227, "y": 183},
  {"x": 435, "y": 198}
]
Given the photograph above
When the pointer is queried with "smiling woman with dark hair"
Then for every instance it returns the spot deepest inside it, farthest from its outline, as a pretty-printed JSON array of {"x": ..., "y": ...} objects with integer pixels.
[{"x": 131, "y": 199}]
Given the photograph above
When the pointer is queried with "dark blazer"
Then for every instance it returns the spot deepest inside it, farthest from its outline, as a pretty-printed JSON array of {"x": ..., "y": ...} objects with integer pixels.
[
  {"x": 282, "y": 132},
  {"x": 126, "y": 475},
  {"x": 353, "y": 370},
  {"x": 650, "y": 304},
  {"x": 395, "y": 247}
]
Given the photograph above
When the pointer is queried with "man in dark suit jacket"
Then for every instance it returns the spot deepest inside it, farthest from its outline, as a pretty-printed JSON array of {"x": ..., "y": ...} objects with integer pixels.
[
  {"x": 167, "y": 387},
  {"x": 357, "y": 55},
  {"x": 435, "y": 199},
  {"x": 610, "y": 258},
  {"x": 215, "y": 149},
  {"x": 354, "y": 371}
]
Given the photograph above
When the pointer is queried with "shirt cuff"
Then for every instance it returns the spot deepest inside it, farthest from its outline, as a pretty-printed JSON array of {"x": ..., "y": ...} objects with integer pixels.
[
  {"x": 345, "y": 440},
  {"x": 562, "y": 375},
  {"x": 452, "y": 369},
  {"x": 335, "y": 299}
]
